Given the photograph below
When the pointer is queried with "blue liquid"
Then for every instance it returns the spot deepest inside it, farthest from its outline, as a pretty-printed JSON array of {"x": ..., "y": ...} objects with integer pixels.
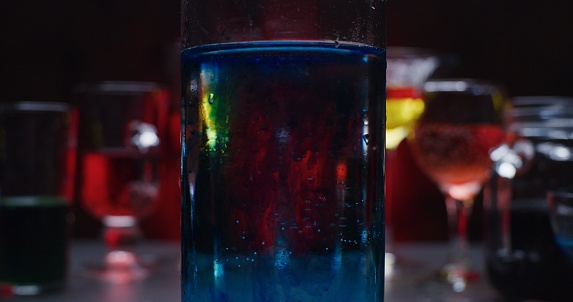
[
  {"x": 282, "y": 172},
  {"x": 562, "y": 223},
  {"x": 566, "y": 245}
]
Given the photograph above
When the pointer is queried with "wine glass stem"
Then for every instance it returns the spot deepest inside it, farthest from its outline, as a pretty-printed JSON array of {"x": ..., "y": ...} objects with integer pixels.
[
  {"x": 458, "y": 214},
  {"x": 121, "y": 237}
]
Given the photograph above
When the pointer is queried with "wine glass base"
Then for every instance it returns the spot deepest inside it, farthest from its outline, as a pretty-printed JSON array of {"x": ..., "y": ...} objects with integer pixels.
[
  {"x": 458, "y": 275},
  {"x": 120, "y": 267}
]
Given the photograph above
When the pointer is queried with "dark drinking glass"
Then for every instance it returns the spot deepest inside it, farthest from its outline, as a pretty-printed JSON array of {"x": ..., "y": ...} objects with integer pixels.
[{"x": 36, "y": 187}]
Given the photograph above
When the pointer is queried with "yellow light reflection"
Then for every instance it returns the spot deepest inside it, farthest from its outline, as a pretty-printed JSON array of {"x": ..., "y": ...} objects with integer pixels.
[
  {"x": 401, "y": 114},
  {"x": 210, "y": 129},
  {"x": 207, "y": 111}
]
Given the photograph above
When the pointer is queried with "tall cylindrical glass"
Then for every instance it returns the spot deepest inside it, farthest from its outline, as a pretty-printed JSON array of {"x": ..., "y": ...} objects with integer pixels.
[
  {"x": 283, "y": 121},
  {"x": 37, "y": 154}
]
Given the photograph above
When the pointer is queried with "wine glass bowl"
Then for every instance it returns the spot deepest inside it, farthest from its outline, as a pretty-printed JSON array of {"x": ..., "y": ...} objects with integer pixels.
[
  {"x": 125, "y": 180},
  {"x": 407, "y": 71},
  {"x": 451, "y": 142},
  {"x": 455, "y": 156},
  {"x": 121, "y": 126}
]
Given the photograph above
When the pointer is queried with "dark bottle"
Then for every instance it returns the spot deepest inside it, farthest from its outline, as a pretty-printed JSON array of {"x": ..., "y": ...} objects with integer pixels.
[{"x": 522, "y": 258}]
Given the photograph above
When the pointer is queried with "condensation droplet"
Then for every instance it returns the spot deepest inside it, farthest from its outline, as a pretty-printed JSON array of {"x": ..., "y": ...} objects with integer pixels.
[{"x": 365, "y": 137}]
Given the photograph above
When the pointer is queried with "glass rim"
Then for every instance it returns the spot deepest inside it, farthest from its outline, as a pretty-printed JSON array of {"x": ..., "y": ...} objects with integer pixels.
[
  {"x": 460, "y": 85},
  {"x": 34, "y": 106},
  {"x": 532, "y": 108},
  {"x": 406, "y": 52},
  {"x": 127, "y": 87},
  {"x": 34, "y": 201},
  {"x": 539, "y": 99},
  {"x": 561, "y": 193}
]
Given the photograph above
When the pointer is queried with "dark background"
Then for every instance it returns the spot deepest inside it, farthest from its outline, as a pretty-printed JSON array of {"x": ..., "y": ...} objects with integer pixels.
[{"x": 47, "y": 47}]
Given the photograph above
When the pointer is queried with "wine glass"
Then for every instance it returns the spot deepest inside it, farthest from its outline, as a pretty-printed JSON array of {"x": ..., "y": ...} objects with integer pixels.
[
  {"x": 451, "y": 142},
  {"x": 560, "y": 205},
  {"x": 121, "y": 128},
  {"x": 407, "y": 71}
]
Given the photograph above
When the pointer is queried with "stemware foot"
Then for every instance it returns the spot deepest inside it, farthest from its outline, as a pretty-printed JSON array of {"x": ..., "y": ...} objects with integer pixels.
[
  {"x": 458, "y": 275},
  {"x": 120, "y": 267}
]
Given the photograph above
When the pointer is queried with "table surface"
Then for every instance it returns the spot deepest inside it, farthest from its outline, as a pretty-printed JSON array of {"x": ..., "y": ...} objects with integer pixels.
[{"x": 163, "y": 284}]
